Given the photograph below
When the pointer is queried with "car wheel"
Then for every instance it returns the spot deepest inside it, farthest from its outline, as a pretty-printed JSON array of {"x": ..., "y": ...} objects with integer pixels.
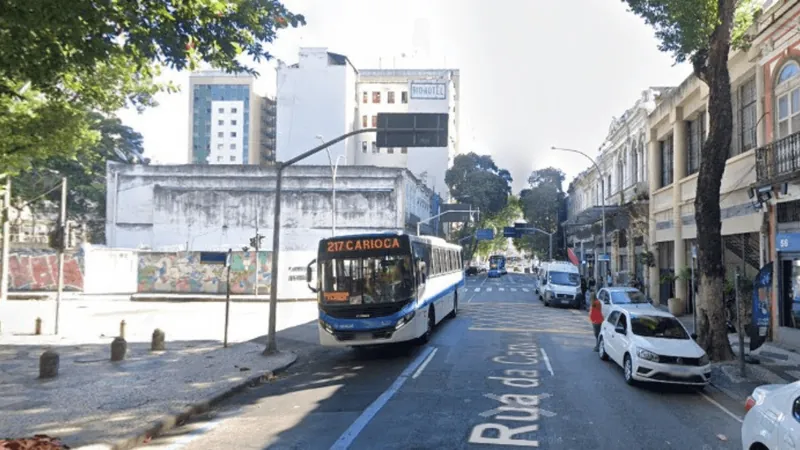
[
  {"x": 601, "y": 349},
  {"x": 627, "y": 369},
  {"x": 431, "y": 323}
]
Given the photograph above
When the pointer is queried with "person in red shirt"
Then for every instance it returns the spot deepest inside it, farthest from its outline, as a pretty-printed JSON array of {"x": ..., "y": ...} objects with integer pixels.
[{"x": 596, "y": 317}]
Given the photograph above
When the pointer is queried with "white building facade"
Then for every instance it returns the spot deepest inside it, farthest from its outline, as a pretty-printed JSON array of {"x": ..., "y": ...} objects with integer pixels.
[
  {"x": 324, "y": 96},
  {"x": 214, "y": 208}
]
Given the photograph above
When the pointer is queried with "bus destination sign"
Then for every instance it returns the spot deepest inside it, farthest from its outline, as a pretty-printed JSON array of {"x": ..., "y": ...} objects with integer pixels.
[{"x": 362, "y": 244}]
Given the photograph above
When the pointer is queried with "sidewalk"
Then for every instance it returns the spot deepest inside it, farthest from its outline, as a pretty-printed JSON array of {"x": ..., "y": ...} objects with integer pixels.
[
  {"x": 776, "y": 365},
  {"x": 120, "y": 404}
]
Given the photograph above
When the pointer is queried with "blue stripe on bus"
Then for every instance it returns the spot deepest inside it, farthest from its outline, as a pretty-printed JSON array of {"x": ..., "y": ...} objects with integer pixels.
[{"x": 386, "y": 321}]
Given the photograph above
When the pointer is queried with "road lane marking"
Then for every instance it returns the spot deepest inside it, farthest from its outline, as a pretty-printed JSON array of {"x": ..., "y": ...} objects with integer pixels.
[
  {"x": 547, "y": 363},
  {"x": 513, "y": 289},
  {"x": 489, "y": 289},
  {"x": 502, "y": 289},
  {"x": 424, "y": 364},
  {"x": 477, "y": 289},
  {"x": 724, "y": 409},
  {"x": 533, "y": 330},
  {"x": 351, "y": 433},
  {"x": 525, "y": 290}
]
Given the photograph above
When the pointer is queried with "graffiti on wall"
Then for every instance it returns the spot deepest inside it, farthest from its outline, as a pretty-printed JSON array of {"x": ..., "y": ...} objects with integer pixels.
[
  {"x": 181, "y": 272},
  {"x": 38, "y": 271}
]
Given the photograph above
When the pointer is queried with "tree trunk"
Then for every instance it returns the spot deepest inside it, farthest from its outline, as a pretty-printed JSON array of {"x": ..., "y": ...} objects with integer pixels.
[{"x": 712, "y": 68}]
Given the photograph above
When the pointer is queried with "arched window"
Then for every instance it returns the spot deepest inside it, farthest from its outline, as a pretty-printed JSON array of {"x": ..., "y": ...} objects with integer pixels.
[
  {"x": 634, "y": 163},
  {"x": 620, "y": 174},
  {"x": 787, "y": 100}
]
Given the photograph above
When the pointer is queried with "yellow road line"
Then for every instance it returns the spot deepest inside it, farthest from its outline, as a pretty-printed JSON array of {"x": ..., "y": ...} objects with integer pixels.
[{"x": 536, "y": 330}]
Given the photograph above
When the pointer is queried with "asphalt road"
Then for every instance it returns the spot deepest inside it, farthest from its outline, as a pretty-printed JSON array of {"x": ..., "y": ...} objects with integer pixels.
[{"x": 507, "y": 372}]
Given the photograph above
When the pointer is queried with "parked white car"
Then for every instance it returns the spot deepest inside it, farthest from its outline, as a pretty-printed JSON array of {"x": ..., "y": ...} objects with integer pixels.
[
  {"x": 772, "y": 421},
  {"x": 652, "y": 345},
  {"x": 622, "y": 295}
]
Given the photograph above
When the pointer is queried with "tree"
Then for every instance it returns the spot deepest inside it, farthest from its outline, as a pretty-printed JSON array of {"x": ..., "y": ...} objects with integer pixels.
[
  {"x": 38, "y": 190},
  {"x": 503, "y": 218},
  {"x": 703, "y": 32},
  {"x": 57, "y": 64},
  {"x": 542, "y": 205},
  {"x": 476, "y": 180}
]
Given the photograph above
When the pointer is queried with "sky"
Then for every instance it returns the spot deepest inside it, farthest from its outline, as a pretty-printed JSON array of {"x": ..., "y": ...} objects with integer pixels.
[{"x": 535, "y": 73}]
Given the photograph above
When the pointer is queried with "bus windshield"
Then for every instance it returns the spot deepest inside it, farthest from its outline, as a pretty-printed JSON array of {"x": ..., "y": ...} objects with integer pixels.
[{"x": 369, "y": 280}]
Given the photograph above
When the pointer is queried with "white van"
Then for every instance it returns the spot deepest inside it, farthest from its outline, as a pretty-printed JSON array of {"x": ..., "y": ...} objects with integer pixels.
[{"x": 560, "y": 284}]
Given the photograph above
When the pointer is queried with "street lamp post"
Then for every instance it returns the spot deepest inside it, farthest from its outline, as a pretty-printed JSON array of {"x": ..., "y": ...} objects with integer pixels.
[
  {"x": 470, "y": 211},
  {"x": 334, "y": 168},
  {"x": 602, "y": 195}
]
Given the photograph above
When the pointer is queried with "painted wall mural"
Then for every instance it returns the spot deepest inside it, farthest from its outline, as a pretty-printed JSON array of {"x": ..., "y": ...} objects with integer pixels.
[
  {"x": 182, "y": 272},
  {"x": 38, "y": 271}
]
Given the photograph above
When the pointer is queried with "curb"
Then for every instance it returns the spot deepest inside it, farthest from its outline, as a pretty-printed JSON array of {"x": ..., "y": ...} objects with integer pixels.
[
  {"x": 215, "y": 300},
  {"x": 172, "y": 421}
]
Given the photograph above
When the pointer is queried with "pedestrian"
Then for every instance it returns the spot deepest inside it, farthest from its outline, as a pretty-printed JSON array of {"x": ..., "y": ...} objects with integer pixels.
[{"x": 596, "y": 317}]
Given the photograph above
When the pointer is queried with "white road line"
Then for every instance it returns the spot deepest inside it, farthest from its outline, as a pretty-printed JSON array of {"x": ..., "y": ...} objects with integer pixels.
[
  {"x": 502, "y": 289},
  {"x": 477, "y": 289},
  {"x": 488, "y": 289},
  {"x": 724, "y": 409},
  {"x": 513, "y": 289},
  {"x": 424, "y": 364},
  {"x": 525, "y": 290},
  {"x": 351, "y": 433},
  {"x": 547, "y": 363}
]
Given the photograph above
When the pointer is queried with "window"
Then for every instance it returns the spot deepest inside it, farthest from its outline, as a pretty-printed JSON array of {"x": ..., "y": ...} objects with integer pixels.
[
  {"x": 658, "y": 327},
  {"x": 376, "y": 97},
  {"x": 404, "y": 97},
  {"x": 612, "y": 318},
  {"x": 364, "y": 97},
  {"x": 390, "y": 150},
  {"x": 233, "y": 159},
  {"x": 234, "y": 110},
  {"x": 233, "y": 134},
  {"x": 374, "y": 147},
  {"x": 666, "y": 162},
  {"x": 364, "y": 121},
  {"x": 221, "y": 110},
  {"x": 220, "y": 146},
  {"x": 390, "y": 97},
  {"x": 219, "y": 158},
  {"x": 634, "y": 163},
  {"x": 220, "y": 134},
  {"x": 404, "y": 150},
  {"x": 233, "y": 122},
  {"x": 364, "y": 146},
  {"x": 233, "y": 146},
  {"x": 695, "y": 135},
  {"x": 374, "y": 121},
  {"x": 620, "y": 175},
  {"x": 747, "y": 114},
  {"x": 220, "y": 122}
]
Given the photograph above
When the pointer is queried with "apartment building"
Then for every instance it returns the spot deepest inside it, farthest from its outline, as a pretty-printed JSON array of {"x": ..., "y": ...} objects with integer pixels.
[
  {"x": 621, "y": 189},
  {"x": 776, "y": 56},
  {"x": 230, "y": 123}
]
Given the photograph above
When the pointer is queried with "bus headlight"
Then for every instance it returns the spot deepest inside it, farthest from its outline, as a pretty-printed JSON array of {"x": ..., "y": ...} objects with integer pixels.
[
  {"x": 404, "y": 320},
  {"x": 325, "y": 326}
]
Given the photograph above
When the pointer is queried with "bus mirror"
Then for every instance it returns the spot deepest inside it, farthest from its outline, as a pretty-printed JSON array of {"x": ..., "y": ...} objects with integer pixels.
[{"x": 310, "y": 276}]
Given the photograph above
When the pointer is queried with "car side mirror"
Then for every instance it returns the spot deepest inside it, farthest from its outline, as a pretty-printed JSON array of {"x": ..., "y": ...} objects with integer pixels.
[
  {"x": 620, "y": 329},
  {"x": 694, "y": 336},
  {"x": 310, "y": 276},
  {"x": 606, "y": 301},
  {"x": 796, "y": 409}
]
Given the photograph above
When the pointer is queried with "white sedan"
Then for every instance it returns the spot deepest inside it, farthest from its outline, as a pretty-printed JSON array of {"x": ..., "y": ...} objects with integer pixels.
[
  {"x": 622, "y": 295},
  {"x": 652, "y": 345},
  {"x": 772, "y": 421}
]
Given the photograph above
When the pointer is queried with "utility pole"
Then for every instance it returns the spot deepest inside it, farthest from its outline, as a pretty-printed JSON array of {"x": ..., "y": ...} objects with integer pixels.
[
  {"x": 4, "y": 217},
  {"x": 257, "y": 246},
  {"x": 62, "y": 245}
]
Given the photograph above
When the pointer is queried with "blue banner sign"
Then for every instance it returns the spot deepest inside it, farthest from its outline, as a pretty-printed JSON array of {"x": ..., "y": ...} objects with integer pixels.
[
  {"x": 788, "y": 242},
  {"x": 762, "y": 288},
  {"x": 485, "y": 234},
  {"x": 510, "y": 232},
  {"x": 216, "y": 258}
]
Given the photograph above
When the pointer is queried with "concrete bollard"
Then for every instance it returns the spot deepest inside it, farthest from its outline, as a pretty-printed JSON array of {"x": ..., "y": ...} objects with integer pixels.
[
  {"x": 118, "y": 349},
  {"x": 48, "y": 364},
  {"x": 157, "y": 343},
  {"x": 37, "y": 329},
  {"x": 122, "y": 329}
]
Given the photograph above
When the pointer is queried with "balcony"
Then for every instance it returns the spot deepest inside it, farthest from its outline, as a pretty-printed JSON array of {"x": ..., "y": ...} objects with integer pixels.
[{"x": 779, "y": 161}]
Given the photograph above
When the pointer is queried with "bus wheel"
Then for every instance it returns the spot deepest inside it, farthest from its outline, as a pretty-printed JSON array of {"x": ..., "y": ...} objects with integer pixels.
[
  {"x": 431, "y": 323},
  {"x": 454, "y": 312}
]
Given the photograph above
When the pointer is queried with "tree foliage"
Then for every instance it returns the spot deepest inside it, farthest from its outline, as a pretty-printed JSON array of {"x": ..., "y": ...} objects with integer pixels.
[
  {"x": 59, "y": 63},
  {"x": 542, "y": 204},
  {"x": 503, "y": 218},
  {"x": 38, "y": 188},
  {"x": 703, "y": 32},
  {"x": 476, "y": 180}
]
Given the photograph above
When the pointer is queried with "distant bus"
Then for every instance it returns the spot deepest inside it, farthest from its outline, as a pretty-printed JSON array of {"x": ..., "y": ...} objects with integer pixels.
[
  {"x": 384, "y": 288},
  {"x": 497, "y": 266}
]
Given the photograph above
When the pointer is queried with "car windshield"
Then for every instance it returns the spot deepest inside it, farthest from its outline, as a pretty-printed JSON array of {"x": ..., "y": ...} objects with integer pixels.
[
  {"x": 627, "y": 297},
  {"x": 564, "y": 278},
  {"x": 658, "y": 327},
  {"x": 355, "y": 281}
]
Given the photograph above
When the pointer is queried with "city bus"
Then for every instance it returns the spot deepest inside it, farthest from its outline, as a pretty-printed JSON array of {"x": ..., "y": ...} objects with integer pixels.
[
  {"x": 497, "y": 266},
  {"x": 384, "y": 288}
]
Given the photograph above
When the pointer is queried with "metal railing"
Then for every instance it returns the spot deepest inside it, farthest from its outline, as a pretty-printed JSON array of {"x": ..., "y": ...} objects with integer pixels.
[{"x": 779, "y": 160}]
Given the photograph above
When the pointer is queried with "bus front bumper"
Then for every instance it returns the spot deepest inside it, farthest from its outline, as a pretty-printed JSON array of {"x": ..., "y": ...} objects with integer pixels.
[{"x": 409, "y": 330}]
